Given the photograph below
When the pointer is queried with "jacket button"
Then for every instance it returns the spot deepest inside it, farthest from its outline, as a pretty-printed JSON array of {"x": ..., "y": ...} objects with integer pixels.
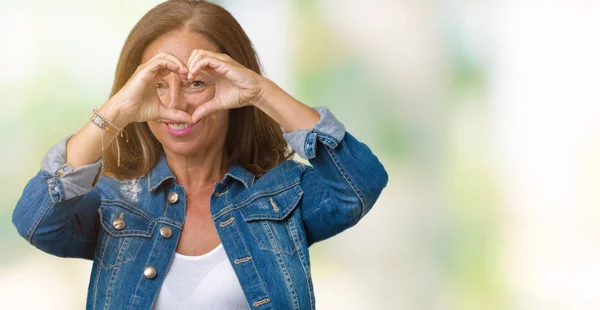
[
  {"x": 119, "y": 223},
  {"x": 150, "y": 272},
  {"x": 166, "y": 232},
  {"x": 173, "y": 197}
]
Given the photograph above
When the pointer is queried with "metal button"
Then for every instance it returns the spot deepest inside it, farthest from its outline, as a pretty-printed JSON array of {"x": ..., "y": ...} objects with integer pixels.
[
  {"x": 150, "y": 272},
  {"x": 173, "y": 197},
  {"x": 119, "y": 223},
  {"x": 166, "y": 232}
]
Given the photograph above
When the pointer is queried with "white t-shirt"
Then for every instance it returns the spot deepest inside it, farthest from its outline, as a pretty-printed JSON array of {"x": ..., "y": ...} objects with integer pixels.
[{"x": 201, "y": 282}]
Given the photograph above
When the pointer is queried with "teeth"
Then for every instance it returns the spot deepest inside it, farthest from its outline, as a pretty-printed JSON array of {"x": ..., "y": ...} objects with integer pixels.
[{"x": 179, "y": 126}]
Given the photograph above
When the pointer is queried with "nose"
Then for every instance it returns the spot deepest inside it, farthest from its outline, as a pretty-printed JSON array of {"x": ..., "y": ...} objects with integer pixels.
[
  {"x": 175, "y": 99},
  {"x": 171, "y": 94}
]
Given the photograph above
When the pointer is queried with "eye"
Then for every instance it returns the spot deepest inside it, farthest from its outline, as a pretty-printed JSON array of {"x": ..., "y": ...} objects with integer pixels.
[
  {"x": 196, "y": 84},
  {"x": 160, "y": 85}
]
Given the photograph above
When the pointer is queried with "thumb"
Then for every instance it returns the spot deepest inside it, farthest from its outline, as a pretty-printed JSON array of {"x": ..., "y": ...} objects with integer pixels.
[
  {"x": 175, "y": 115},
  {"x": 205, "y": 109}
]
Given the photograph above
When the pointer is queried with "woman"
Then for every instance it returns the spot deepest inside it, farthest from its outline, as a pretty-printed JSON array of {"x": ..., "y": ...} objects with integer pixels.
[{"x": 197, "y": 204}]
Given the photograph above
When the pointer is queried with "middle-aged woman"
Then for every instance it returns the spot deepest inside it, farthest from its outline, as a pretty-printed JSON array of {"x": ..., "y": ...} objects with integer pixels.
[{"x": 181, "y": 188}]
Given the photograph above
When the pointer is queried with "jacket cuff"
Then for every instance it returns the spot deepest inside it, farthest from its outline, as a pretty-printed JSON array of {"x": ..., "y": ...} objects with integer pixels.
[
  {"x": 63, "y": 181},
  {"x": 328, "y": 130}
]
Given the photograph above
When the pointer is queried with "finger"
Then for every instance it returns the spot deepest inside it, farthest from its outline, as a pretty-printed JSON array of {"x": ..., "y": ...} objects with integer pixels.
[
  {"x": 174, "y": 58},
  {"x": 205, "y": 110},
  {"x": 160, "y": 67},
  {"x": 182, "y": 70},
  {"x": 175, "y": 115},
  {"x": 157, "y": 67},
  {"x": 164, "y": 72},
  {"x": 198, "y": 55},
  {"x": 209, "y": 63},
  {"x": 193, "y": 58},
  {"x": 221, "y": 56}
]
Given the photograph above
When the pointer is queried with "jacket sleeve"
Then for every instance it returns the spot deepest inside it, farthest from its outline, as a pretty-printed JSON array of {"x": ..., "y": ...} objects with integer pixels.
[
  {"x": 345, "y": 179},
  {"x": 57, "y": 210}
]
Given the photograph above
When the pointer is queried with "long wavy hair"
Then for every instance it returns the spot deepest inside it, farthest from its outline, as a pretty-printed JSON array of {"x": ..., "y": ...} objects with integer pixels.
[{"x": 254, "y": 140}]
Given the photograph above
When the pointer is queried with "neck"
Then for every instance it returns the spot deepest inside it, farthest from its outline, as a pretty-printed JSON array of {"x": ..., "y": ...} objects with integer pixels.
[{"x": 198, "y": 172}]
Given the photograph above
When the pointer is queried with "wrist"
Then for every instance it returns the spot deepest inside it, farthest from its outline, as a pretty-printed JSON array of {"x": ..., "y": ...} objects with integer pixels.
[
  {"x": 268, "y": 95},
  {"x": 114, "y": 114},
  {"x": 286, "y": 110}
]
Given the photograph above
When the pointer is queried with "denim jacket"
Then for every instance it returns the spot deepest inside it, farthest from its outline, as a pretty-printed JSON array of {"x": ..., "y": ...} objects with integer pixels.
[{"x": 130, "y": 229}]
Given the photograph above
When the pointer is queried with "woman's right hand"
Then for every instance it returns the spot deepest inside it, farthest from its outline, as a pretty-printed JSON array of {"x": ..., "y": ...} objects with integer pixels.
[{"x": 138, "y": 101}]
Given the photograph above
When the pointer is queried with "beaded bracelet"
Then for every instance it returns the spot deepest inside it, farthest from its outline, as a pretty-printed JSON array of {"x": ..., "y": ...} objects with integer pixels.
[{"x": 104, "y": 124}]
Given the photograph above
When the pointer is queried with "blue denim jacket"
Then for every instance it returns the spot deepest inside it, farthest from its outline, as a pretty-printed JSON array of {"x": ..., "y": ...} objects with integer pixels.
[{"x": 130, "y": 229}]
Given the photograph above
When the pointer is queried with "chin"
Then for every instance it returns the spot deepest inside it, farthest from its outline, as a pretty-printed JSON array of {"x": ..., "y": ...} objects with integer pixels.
[
  {"x": 183, "y": 148},
  {"x": 192, "y": 145}
]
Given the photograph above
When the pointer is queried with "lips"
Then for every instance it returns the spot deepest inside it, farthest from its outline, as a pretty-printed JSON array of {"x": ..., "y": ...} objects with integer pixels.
[{"x": 179, "y": 129}]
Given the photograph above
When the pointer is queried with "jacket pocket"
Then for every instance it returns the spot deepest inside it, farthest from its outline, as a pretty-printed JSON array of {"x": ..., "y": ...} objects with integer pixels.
[
  {"x": 123, "y": 232},
  {"x": 271, "y": 220}
]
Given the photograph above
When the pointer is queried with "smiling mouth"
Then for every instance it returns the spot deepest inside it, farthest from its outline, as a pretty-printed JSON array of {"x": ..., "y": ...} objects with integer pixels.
[
  {"x": 179, "y": 129},
  {"x": 178, "y": 126}
]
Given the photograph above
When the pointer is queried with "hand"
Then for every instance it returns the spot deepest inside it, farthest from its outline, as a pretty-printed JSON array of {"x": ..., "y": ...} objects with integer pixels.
[
  {"x": 236, "y": 86},
  {"x": 138, "y": 101}
]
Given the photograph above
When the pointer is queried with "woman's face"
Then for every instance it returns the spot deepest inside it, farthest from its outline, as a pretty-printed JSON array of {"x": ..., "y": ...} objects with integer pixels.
[{"x": 186, "y": 96}]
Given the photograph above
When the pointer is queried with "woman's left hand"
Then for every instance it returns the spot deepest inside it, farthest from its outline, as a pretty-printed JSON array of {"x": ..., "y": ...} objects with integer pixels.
[{"x": 236, "y": 86}]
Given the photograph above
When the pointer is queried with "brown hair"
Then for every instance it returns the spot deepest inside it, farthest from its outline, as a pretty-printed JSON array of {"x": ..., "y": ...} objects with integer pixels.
[{"x": 254, "y": 140}]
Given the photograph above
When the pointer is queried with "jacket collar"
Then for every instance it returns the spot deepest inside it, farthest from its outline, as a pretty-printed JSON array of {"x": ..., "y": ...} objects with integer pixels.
[{"x": 162, "y": 172}]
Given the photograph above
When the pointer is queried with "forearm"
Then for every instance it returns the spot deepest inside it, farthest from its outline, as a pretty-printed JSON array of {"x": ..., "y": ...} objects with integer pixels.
[
  {"x": 85, "y": 147},
  {"x": 290, "y": 113}
]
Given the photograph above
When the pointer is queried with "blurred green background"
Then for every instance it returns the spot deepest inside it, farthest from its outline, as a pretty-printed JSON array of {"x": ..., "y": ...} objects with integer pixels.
[{"x": 485, "y": 115}]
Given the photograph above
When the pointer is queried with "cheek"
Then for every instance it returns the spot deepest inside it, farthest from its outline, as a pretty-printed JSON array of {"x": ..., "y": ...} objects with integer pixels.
[
  {"x": 200, "y": 97},
  {"x": 154, "y": 126}
]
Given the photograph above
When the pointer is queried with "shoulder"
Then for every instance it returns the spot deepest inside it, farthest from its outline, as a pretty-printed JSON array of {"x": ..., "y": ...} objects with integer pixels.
[
  {"x": 288, "y": 171},
  {"x": 285, "y": 177}
]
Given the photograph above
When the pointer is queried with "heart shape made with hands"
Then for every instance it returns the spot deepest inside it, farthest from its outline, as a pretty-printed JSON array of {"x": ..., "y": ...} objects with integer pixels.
[{"x": 235, "y": 85}]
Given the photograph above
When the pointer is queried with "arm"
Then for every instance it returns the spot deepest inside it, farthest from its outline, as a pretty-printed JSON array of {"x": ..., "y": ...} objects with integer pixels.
[
  {"x": 57, "y": 210},
  {"x": 345, "y": 178}
]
